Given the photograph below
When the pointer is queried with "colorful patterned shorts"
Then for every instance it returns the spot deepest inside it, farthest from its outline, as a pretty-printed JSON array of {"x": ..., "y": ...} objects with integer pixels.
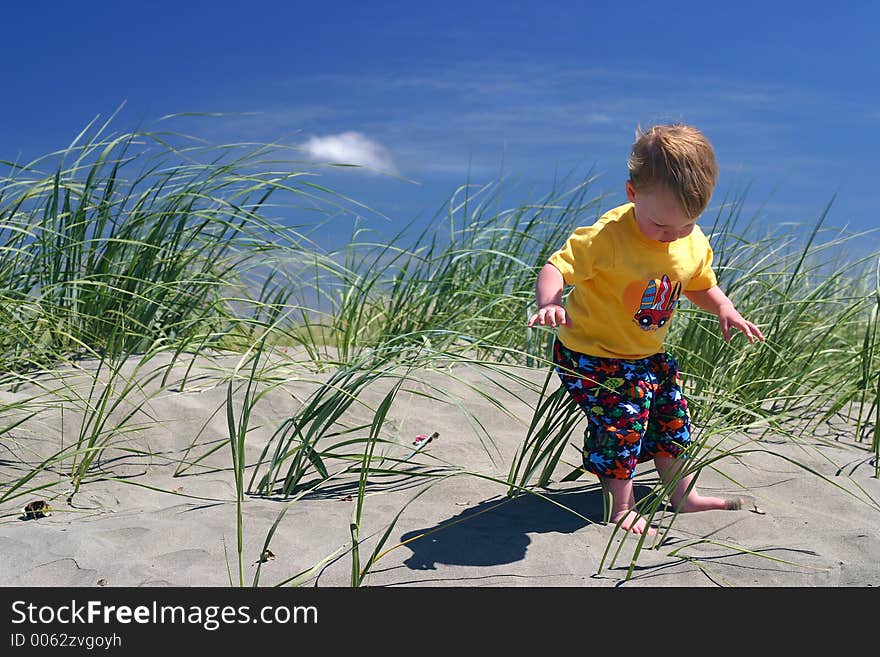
[{"x": 635, "y": 409}]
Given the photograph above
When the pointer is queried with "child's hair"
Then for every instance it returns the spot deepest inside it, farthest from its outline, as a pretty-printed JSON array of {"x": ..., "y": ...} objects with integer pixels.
[{"x": 677, "y": 158}]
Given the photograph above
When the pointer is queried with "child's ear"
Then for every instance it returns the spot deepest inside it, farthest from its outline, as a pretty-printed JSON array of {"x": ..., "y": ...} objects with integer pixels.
[{"x": 630, "y": 191}]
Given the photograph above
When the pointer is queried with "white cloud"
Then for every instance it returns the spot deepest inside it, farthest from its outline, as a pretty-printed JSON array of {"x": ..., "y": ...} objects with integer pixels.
[{"x": 350, "y": 148}]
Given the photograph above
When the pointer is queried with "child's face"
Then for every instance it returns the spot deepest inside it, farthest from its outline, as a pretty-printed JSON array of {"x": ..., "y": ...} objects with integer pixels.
[{"x": 659, "y": 215}]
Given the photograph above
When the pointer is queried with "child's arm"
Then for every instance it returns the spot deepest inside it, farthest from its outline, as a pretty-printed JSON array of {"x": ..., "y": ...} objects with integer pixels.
[
  {"x": 715, "y": 301},
  {"x": 548, "y": 296}
]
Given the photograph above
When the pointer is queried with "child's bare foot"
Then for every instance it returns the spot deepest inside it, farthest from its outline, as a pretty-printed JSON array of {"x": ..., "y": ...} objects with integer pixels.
[
  {"x": 694, "y": 503},
  {"x": 633, "y": 522}
]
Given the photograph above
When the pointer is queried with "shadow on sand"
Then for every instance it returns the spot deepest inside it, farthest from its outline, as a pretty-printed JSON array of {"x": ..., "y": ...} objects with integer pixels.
[{"x": 496, "y": 531}]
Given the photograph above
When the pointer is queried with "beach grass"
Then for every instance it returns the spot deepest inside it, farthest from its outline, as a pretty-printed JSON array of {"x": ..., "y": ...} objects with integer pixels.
[{"x": 139, "y": 252}]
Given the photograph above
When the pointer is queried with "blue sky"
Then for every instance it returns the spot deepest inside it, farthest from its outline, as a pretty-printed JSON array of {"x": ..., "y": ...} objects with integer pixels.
[{"x": 789, "y": 93}]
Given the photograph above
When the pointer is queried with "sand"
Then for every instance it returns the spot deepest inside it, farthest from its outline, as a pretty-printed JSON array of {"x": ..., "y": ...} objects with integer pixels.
[{"x": 141, "y": 519}]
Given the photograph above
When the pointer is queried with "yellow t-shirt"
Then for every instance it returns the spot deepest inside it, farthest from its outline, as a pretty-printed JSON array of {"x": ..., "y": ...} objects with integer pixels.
[{"x": 626, "y": 286}]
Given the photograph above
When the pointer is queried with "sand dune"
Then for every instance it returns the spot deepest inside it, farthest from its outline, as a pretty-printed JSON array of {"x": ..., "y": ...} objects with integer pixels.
[{"x": 134, "y": 523}]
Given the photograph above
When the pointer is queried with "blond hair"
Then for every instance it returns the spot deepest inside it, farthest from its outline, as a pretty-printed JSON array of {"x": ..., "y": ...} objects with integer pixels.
[{"x": 677, "y": 158}]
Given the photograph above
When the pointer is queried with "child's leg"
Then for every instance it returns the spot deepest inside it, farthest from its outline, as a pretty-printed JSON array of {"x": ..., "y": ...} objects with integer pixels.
[
  {"x": 684, "y": 495},
  {"x": 623, "y": 504},
  {"x": 667, "y": 439},
  {"x": 616, "y": 403}
]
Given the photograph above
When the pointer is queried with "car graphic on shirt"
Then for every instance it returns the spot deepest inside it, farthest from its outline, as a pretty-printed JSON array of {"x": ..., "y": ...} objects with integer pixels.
[{"x": 657, "y": 305}]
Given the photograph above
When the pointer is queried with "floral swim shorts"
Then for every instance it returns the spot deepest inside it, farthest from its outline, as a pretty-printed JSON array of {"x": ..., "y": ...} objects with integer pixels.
[{"x": 635, "y": 409}]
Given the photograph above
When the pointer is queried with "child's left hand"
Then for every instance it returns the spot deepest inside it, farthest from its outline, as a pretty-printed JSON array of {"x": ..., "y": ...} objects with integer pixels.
[{"x": 729, "y": 317}]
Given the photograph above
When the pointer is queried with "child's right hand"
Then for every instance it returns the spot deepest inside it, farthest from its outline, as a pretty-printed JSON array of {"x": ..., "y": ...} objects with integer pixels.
[{"x": 550, "y": 315}]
